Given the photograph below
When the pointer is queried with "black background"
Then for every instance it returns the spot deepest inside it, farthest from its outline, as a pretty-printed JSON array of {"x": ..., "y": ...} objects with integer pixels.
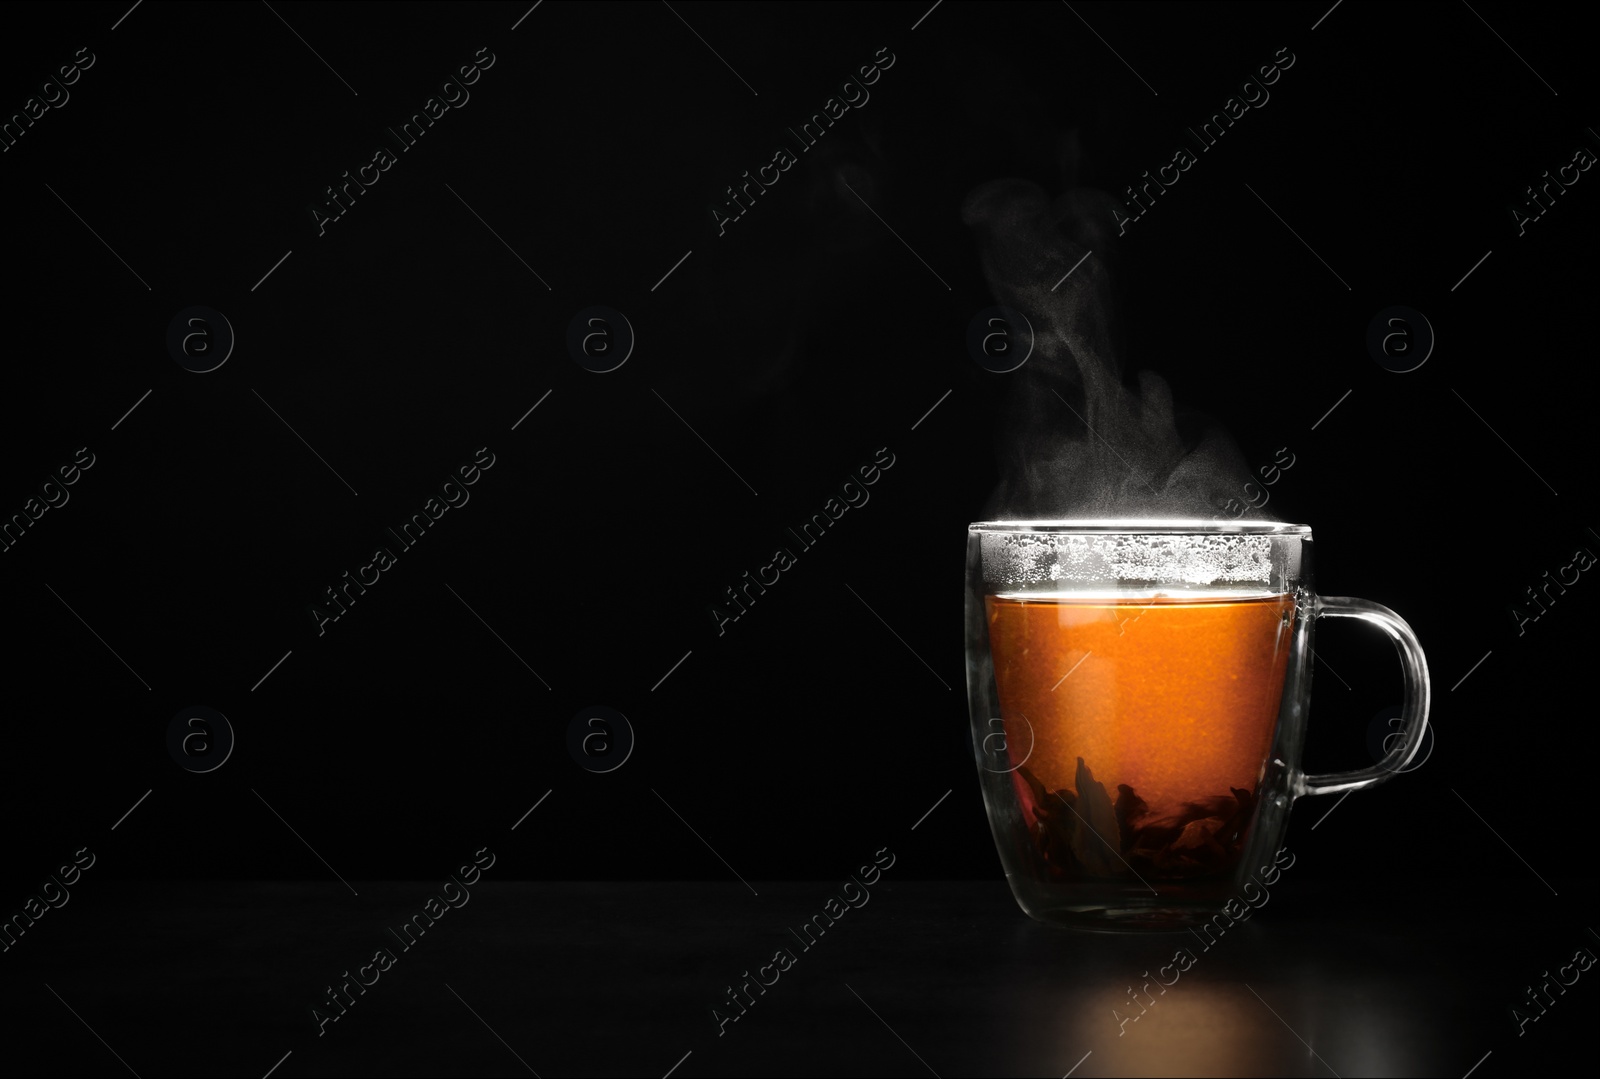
[{"x": 796, "y": 345}]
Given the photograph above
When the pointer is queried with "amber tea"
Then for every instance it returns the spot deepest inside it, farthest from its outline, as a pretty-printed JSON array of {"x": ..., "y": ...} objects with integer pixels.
[{"x": 1139, "y": 727}]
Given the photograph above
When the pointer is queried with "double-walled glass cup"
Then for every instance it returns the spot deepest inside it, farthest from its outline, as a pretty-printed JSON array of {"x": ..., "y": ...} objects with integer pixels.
[{"x": 1139, "y": 693}]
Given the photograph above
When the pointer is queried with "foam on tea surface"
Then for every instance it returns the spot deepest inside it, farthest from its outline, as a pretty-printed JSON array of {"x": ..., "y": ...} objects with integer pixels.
[{"x": 1025, "y": 558}]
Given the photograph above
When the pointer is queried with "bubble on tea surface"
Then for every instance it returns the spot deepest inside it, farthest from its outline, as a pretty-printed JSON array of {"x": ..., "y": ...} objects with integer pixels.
[{"x": 1020, "y": 558}]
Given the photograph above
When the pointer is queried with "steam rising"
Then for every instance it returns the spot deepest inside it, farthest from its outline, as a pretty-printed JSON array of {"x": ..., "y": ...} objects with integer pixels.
[{"x": 1074, "y": 440}]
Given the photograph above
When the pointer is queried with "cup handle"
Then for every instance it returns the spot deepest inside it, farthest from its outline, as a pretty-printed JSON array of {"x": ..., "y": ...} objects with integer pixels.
[{"x": 1414, "y": 710}]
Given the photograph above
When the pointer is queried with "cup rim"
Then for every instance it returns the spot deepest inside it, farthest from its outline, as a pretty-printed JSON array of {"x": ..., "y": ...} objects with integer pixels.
[{"x": 1143, "y": 526}]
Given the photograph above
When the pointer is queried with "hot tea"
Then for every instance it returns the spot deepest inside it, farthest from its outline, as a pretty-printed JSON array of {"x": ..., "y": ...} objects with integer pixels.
[{"x": 1138, "y": 727}]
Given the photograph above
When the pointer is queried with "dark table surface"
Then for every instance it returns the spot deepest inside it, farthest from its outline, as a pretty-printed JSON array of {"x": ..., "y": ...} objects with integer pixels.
[{"x": 928, "y": 977}]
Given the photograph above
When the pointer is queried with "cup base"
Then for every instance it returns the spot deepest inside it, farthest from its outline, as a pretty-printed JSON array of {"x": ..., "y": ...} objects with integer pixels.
[
  {"x": 1112, "y": 909},
  {"x": 1123, "y": 919}
]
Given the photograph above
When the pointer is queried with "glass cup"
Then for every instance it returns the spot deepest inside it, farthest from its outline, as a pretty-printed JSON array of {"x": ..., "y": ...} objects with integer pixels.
[{"x": 1139, "y": 693}]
